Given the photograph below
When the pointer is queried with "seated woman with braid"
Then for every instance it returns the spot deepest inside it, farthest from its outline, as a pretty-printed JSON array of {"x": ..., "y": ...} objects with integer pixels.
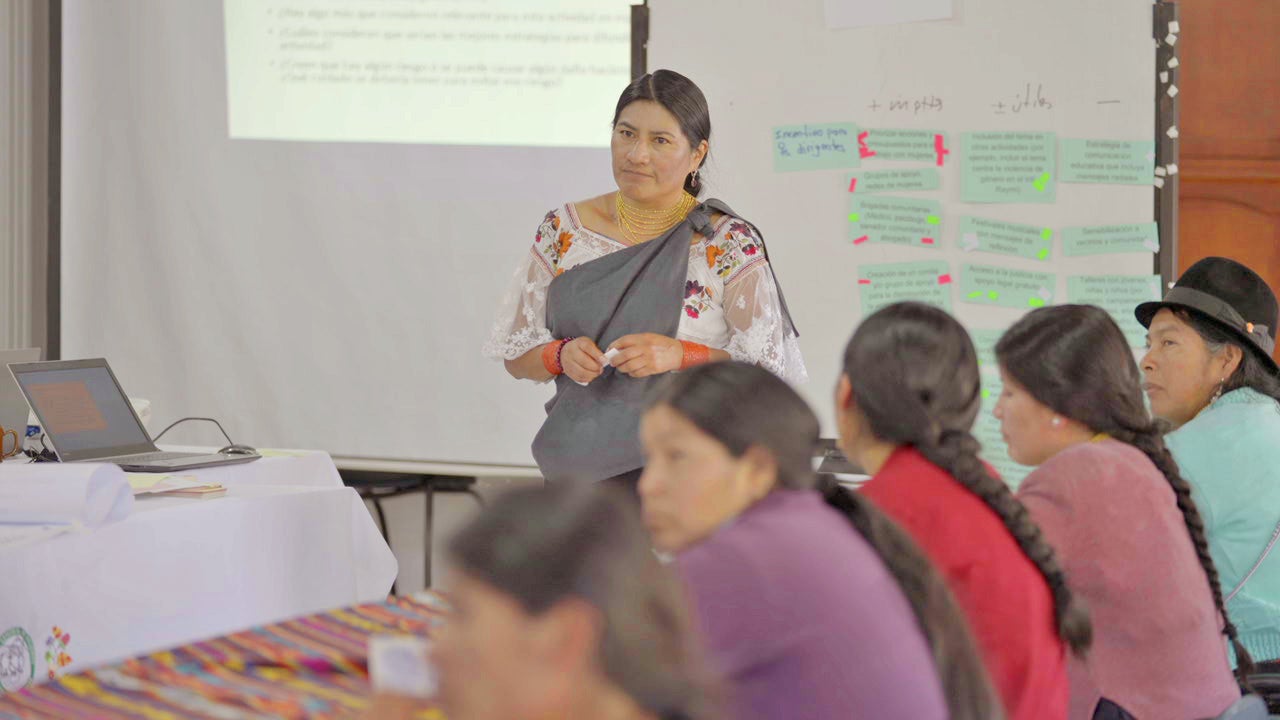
[
  {"x": 812, "y": 605},
  {"x": 1110, "y": 498},
  {"x": 905, "y": 406}
]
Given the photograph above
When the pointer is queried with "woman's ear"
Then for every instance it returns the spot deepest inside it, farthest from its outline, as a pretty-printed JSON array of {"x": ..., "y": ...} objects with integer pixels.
[
  {"x": 760, "y": 471},
  {"x": 700, "y": 154},
  {"x": 1229, "y": 360}
]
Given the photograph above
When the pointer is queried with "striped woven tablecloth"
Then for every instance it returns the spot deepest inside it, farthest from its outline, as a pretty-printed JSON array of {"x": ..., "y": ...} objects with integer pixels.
[{"x": 309, "y": 667}]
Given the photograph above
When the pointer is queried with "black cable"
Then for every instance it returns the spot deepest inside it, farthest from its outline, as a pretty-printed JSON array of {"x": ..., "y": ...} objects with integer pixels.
[{"x": 230, "y": 442}]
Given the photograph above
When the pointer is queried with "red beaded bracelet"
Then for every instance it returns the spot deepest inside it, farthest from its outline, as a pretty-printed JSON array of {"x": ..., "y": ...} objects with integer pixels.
[{"x": 694, "y": 354}]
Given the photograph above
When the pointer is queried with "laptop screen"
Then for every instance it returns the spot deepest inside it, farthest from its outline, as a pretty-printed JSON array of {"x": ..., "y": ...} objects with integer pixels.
[{"x": 82, "y": 409}]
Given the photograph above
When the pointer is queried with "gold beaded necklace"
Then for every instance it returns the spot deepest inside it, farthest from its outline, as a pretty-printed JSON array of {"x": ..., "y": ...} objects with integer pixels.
[{"x": 639, "y": 224}]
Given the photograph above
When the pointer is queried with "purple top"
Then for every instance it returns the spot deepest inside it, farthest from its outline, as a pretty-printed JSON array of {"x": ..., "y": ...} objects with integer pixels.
[{"x": 803, "y": 619}]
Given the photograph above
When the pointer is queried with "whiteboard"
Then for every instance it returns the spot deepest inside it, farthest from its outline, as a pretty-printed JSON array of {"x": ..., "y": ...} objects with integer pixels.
[{"x": 1081, "y": 70}]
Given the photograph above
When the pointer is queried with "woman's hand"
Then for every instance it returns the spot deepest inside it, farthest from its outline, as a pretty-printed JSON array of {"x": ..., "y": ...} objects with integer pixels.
[
  {"x": 582, "y": 360},
  {"x": 646, "y": 354}
]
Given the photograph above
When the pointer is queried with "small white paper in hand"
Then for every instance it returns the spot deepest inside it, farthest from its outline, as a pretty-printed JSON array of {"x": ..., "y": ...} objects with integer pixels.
[
  {"x": 401, "y": 664},
  {"x": 609, "y": 356}
]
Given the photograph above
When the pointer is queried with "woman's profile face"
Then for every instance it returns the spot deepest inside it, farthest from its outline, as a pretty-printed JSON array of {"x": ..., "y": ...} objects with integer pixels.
[
  {"x": 651, "y": 155},
  {"x": 1179, "y": 373},
  {"x": 1025, "y": 423},
  {"x": 691, "y": 483}
]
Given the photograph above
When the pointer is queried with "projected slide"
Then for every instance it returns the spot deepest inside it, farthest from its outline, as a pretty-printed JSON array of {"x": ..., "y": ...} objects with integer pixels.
[{"x": 456, "y": 72}]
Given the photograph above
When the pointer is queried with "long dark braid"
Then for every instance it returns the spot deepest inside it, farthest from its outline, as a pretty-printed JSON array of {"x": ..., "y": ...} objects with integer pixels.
[
  {"x": 957, "y": 453},
  {"x": 937, "y": 613},
  {"x": 743, "y": 406},
  {"x": 928, "y": 396},
  {"x": 1075, "y": 360}
]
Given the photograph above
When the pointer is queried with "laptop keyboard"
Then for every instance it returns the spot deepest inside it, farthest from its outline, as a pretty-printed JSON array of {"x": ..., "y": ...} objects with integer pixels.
[{"x": 153, "y": 457}]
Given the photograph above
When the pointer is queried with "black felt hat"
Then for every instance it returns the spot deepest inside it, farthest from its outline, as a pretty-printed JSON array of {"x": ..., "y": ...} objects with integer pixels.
[{"x": 1229, "y": 295}]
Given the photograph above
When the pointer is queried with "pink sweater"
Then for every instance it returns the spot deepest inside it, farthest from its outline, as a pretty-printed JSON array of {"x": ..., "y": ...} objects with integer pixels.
[{"x": 1158, "y": 650}]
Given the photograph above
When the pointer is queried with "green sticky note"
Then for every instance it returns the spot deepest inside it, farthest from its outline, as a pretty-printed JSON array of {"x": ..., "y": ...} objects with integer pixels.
[
  {"x": 1005, "y": 287},
  {"x": 895, "y": 220},
  {"x": 815, "y": 147},
  {"x": 870, "y": 182},
  {"x": 1005, "y": 238},
  {"x": 906, "y": 145},
  {"x": 1008, "y": 167},
  {"x": 1109, "y": 239},
  {"x": 994, "y": 449},
  {"x": 855, "y": 217},
  {"x": 1111, "y": 162},
  {"x": 1118, "y": 295},
  {"x": 1035, "y": 302},
  {"x": 881, "y": 285},
  {"x": 986, "y": 394},
  {"x": 933, "y": 220}
]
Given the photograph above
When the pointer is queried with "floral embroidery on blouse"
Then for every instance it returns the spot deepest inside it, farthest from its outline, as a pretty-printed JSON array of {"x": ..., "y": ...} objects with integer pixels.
[
  {"x": 697, "y": 299},
  {"x": 731, "y": 300}
]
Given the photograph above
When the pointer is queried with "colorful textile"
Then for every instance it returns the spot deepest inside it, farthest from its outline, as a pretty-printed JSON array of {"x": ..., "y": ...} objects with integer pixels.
[{"x": 310, "y": 667}]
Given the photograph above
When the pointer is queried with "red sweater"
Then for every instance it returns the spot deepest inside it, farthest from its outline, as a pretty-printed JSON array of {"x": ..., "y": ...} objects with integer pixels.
[{"x": 1006, "y": 599}]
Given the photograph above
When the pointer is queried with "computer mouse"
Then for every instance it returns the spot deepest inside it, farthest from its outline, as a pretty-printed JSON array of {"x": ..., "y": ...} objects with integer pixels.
[{"x": 237, "y": 450}]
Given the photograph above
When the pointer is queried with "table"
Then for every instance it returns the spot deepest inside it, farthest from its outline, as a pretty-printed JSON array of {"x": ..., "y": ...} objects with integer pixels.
[
  {"x": 311, "y": 667},
  {"x": 286, "y": 540}
]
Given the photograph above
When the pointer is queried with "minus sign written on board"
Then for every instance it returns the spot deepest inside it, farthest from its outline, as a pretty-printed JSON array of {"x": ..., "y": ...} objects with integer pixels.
[{"x": 1108, "y": 102}]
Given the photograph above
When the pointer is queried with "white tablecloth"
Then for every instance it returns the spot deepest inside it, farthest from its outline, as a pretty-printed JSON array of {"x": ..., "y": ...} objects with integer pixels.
[{"x": 287, "y": 539}]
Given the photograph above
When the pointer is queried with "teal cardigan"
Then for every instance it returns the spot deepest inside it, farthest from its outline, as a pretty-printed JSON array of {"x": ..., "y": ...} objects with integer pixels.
[{"x": 1230, "y": 453}]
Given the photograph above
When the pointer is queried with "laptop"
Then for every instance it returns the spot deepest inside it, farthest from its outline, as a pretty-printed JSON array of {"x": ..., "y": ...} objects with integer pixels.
[
  {"x": 13, "y": 406},
  {"x": 86, "y": 417}
]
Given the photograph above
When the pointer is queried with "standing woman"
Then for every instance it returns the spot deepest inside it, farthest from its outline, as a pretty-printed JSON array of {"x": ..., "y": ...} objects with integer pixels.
[
  {"x": 1111, "y": 501},
  {"x": 906, "y": 404},
  {"x": 635, "y": 283},
  {"x": 1210, "y": 374},
  {"x": 812, "y": 604}
]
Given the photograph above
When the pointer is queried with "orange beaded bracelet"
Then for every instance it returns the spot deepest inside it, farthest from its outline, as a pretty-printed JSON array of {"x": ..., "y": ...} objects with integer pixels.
[
  {"x": 694, "y": 354},
  {"x": 551, "y": 357}
]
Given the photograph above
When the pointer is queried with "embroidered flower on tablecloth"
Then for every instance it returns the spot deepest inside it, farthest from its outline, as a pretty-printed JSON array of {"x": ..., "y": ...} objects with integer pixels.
[
  {"x": 55, "y": 655},
  {"x": 750, "y": 249},
  {"x": 691, "y": 311},
  {"x": 691, "y": 288}
]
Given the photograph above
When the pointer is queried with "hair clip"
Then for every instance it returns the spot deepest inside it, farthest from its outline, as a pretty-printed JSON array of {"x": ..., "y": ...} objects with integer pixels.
[{"x": 1249, "y": 327}]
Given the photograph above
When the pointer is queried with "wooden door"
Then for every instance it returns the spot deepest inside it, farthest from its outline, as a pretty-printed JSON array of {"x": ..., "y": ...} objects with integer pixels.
[{"x": 1229, "y": 200}]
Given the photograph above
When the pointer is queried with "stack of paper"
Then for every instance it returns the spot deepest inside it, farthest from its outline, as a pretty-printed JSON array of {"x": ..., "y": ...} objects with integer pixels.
[{"x": 174, "y": 486}]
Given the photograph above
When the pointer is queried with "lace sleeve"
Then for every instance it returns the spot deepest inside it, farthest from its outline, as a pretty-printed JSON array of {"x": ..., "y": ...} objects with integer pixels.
[
  {"x": 758, "y": 330},
  {"x": 521, "y": 321}
]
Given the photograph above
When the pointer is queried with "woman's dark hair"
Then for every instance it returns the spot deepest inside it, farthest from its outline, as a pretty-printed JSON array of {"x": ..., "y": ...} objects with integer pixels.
[
  {"x": 915, "y": 379},
  {"x": 1251, "y": 373},
  {"x": 743, "y": 406},
  {"x": 1075, "y": 360},
  {"x": 681, "y": 98},
  {"x": 540, "y": 546}
]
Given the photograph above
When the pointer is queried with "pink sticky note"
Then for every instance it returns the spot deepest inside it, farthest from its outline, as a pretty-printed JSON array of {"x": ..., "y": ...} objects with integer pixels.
[
  {"x": 864, "y": 282},
  {"x": 853, "y": 184},
  {"x": 944, "y": 279},
  {"x": 939, "y": 149},
  {"x": 863, "y": 150},
  {"x": 927, "y": 241},
  {"x": 859, "y": 241}
]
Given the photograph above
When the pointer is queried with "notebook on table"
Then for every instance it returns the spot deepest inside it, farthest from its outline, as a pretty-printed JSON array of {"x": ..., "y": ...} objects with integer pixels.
[{"x": 86, "y": 417}]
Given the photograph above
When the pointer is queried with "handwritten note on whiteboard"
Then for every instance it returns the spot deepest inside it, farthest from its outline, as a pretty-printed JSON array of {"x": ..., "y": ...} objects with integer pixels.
[
  {"x": 927, "y": 282},
  {"x": 1008, "y": 167},
  {"x": 815, "y": 147}
]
